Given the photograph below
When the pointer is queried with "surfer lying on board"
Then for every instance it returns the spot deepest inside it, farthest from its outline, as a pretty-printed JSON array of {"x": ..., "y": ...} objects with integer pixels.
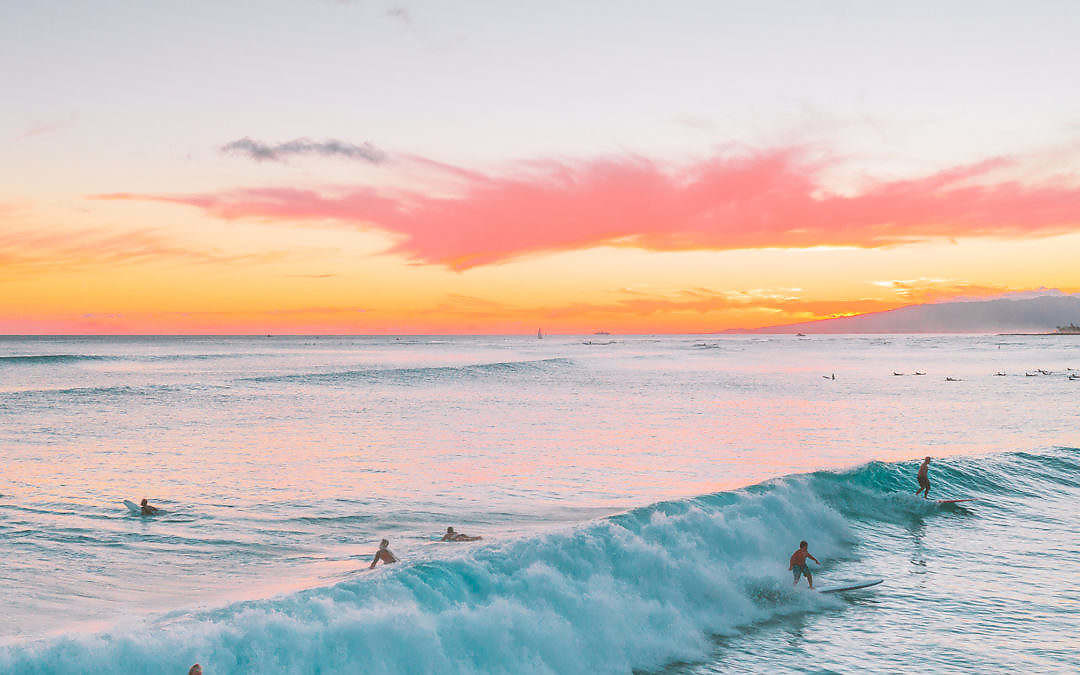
[
  {"x": 383, "y": 554},
  {"x": 798, "y": 567},
  {"x": 458, "y": 536},
  {"x": 924, "y": 480},
  {"x": 147, "y": 510}
]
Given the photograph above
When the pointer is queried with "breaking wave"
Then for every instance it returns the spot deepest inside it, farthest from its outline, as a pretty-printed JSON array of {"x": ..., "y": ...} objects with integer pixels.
[{"x": 637, "y": 590}]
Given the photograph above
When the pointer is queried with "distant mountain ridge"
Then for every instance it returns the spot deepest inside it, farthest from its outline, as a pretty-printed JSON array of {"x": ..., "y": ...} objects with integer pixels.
[{"x": 1041, "y": 314}]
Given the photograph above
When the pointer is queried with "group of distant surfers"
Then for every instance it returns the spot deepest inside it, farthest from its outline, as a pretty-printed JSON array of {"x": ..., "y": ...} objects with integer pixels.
[
  {"x": 386, "y": 556},
  {"x": 796, "y": 564},
  {"x": 383, "y": 555}
]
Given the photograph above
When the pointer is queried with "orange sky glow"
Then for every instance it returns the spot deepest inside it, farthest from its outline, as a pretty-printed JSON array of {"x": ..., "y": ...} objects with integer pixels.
[{"x": 383, "y": 177}]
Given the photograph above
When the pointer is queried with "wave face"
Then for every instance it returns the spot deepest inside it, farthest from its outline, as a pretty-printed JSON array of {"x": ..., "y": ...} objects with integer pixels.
[{"x": 637, "y": 590}]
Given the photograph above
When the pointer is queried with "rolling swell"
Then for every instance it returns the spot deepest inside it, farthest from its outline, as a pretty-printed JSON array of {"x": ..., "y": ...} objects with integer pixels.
[
  {"x": 48, "y": 359},
  {"x": 33, "y": 359},
  {"x": 412, "y": 374},
  {"x": 122, "y": 390},
  {"x": 637, "y": 590}
]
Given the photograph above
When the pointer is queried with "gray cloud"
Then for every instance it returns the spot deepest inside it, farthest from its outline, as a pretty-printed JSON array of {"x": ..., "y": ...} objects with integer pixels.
[
  {"x": 401, "y": 14},
  {"x": 266, "y": 152}
]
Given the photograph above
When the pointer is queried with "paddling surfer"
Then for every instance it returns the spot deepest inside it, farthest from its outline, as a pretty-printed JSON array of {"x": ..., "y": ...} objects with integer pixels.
[
  {"x": 457, "y": 536},
  {"x": 798, "y": 567},
  {"x": 384, "y": 554},
  {"x": 146, "y": 509},
  {"x": 924, "y": 480}
]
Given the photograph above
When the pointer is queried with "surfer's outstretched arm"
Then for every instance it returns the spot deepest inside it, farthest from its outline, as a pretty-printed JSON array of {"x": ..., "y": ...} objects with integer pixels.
[{"x": 813, "y": 558}]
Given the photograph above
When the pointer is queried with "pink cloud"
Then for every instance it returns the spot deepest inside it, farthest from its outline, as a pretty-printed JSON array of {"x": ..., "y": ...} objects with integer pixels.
[{"x": 768, "y": 199}]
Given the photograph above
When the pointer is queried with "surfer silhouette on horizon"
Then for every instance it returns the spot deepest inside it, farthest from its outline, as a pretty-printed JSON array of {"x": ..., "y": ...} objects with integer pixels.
[{"x": 924, "y": 479}]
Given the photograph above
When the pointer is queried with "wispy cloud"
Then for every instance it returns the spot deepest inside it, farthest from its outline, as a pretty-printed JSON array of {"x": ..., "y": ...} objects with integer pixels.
[
  {"x": 47, "y": 127},
  {"x": 931, "y": 290},
  {"x": 628, "y": 304},
  {"x": 26, "y": 250},
  {"x": 761, "y": 200},
  {"x": 401, "y": 14},
  {"x": 926, "y": 290},
  {"x": 278, "y": 152}
]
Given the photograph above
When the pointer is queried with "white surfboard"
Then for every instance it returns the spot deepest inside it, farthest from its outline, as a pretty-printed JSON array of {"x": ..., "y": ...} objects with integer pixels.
[
  {"x": 133, "y": 507},
  {"x": 849, "y": 586}
]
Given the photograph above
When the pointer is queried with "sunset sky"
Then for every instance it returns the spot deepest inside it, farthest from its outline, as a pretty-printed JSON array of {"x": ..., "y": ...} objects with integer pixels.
[{"x": 312, "y": 166}]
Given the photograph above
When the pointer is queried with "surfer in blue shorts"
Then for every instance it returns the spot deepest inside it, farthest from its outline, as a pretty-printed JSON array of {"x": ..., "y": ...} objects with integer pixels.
[{"x": 798, "y": 567}]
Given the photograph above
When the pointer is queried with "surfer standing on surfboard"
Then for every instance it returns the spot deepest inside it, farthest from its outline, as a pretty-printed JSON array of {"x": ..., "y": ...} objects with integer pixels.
[
  {"x": 924, "y": 480},
  {"x": 798, "y": 567}
]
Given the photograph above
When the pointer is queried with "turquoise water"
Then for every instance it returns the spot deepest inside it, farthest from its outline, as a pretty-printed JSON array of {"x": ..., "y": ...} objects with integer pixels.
[{"x": 639, "y": 501}]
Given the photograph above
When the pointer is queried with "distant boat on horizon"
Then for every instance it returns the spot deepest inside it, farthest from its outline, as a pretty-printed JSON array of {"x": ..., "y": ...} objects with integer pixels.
[{"x": 539, "y": 335}]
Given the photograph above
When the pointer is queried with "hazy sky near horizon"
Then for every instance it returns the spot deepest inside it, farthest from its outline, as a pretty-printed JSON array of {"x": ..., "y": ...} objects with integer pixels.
[{"x": 320, "y": 166}]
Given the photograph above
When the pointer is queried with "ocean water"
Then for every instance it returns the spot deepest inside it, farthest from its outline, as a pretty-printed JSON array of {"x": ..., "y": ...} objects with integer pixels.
[{"x": 638, "y": 497}]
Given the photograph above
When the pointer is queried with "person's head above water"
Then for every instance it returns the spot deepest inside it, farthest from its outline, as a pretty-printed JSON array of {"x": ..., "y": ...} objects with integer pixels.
[
  {"x": 143, "y": 502},
  {"x": 803, "y": 544},
  {"x": 449, "y": 530},
  {"x": 384, "y": 543},
  {"x": 195, "y": 670},
  {"x": 927, "y": 459}
]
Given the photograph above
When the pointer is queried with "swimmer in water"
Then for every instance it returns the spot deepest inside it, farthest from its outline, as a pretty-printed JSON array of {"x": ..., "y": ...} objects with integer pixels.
[
  {"x": 384, "y": 554},
  {"x": 458, "y": 536},
  {"x": 148, "y": 510}
]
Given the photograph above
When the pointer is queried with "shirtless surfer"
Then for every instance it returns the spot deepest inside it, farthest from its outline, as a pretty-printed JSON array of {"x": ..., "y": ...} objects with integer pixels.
[
  {"x": 798, "y": 567},
  {"x": 148, "y": 510},
  {"x": 458, "y": 536},
  {"x": 924, "y": 480},
  {"x": 384, "y": 554}
]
